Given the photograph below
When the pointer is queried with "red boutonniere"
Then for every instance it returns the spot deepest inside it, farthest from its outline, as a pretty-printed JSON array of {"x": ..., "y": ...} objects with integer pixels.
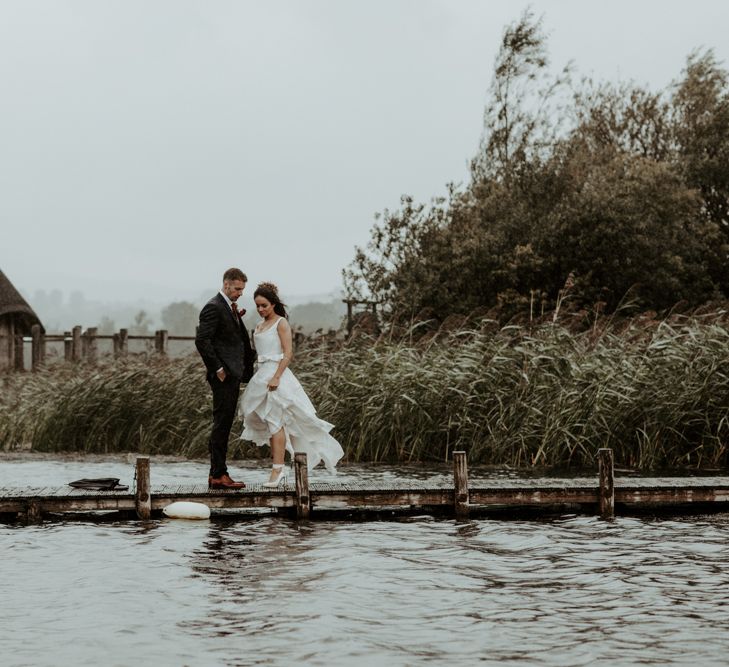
[{"x": 241, "y": 312}]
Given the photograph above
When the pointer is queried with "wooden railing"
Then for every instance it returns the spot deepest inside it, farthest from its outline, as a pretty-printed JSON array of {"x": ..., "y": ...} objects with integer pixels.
[
  {"x": 80, "y": 345},
  {"x": 83, "y": 346}
]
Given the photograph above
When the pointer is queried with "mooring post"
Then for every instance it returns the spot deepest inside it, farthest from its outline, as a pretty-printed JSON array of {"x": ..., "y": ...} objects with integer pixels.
[
  {"x": 460, "y": 483},
  {"x": 33, "y": 512},
  {"x": 35, "y": 332},
  {"x": 143, "y": 495},
  {"x": 607, "y": 482},
  {"x": 301, "y": 472}
]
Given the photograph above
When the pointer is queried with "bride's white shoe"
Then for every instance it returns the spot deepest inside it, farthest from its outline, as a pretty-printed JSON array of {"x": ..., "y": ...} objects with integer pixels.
[{"x": 281, "y": 479}]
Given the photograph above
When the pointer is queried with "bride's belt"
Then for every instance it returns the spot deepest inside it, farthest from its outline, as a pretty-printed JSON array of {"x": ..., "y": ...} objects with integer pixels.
[{"x": 262, "y": 358}]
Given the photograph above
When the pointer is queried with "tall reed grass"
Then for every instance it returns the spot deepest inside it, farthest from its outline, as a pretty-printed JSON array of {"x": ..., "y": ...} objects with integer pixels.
[
  {"x": 147, "y": 406},
  {"x": 656, "y": 392}
]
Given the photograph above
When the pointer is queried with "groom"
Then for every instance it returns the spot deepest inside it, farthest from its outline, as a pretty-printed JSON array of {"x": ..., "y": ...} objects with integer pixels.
[{"x": 223, "y": 343}]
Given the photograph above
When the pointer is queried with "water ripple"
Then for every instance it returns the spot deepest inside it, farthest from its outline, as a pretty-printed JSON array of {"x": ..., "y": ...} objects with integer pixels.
[{"x": 553, "y": 592}]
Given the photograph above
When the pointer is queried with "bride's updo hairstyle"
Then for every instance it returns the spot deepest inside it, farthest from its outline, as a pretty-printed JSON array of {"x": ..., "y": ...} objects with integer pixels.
[{"x": 269, "y": 291}]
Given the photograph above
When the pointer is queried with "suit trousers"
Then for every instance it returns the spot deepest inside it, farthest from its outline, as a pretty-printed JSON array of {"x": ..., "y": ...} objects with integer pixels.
[{"x": 225, "y": 404}]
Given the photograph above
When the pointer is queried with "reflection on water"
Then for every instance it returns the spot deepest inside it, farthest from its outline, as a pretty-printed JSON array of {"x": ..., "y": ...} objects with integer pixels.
[{"x": 571, "y": 591}]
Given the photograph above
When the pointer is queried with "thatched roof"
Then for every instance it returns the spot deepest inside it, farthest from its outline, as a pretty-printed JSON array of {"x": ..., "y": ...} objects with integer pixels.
[{"x": 11, "y": 303}]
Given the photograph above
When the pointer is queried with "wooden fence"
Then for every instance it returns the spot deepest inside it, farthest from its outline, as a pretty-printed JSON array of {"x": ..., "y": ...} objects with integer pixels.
[
  {"x": 80, "y": 345},
  {"x": 83, "y": 346}
]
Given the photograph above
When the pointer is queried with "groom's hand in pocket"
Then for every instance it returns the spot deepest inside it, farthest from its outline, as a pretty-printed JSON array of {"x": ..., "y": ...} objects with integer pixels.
[{"x": 221, "y": 375}]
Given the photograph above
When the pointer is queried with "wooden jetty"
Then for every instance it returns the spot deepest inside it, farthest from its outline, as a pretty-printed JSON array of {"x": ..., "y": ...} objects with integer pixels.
[{"x": 601, "y": 493}]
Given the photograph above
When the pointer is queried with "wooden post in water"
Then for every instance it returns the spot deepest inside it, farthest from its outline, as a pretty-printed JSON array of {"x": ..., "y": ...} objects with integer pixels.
[
  {"x": 67, "y": 346},
  {"x": 93, "y": 345},
  {"x": 123, "y": 342},
  {"x": 35, "y": 332},
  {"x": 33, "y": 513},
  {"x": 607, "y": 483},
  {"x": 19, "y": 354},
  {"x": 143, "y": 495},
  {"x": 460, "y": 483},
  {"x": 303, "y": 502},
  {"x": 76, "y": 343}
]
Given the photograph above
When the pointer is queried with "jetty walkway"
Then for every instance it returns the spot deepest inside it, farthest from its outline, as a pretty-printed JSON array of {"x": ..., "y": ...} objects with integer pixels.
[{"x": 600, "y": 494}]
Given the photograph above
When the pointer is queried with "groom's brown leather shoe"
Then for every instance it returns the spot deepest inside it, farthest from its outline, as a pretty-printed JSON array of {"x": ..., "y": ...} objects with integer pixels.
[
  {"x": 231, "y": 484},
  {"x": 224, "y": 482}
]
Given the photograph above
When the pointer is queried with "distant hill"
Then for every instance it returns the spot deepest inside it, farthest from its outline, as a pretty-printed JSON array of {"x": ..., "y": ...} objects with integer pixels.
[{"x": 60, "y": 312}]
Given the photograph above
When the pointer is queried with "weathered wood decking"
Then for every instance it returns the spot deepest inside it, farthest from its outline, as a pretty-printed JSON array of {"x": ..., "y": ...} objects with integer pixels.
[
  {"x": 669, "y": 490},
  {"x": 600, "y": 493}
]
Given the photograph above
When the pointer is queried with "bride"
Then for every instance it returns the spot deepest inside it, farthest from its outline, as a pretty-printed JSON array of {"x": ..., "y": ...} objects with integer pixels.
[{"x": 274, "y": 406}]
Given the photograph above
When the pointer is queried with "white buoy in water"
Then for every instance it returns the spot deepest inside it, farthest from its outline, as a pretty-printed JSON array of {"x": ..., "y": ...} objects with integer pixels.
[{"x": 187, "y": 510}]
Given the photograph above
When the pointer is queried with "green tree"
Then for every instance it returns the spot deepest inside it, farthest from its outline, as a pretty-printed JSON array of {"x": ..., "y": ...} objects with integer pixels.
[
  {"x": 625, "y": 118},
  {"x": 522, "y": 118},
  {"x": 633, "y": 226},
  {"x": 629, "y": 197},
  {"x": 701, "y": 130}
]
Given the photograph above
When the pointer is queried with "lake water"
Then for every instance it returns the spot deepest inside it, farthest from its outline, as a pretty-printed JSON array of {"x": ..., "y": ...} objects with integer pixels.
[{"x": 567, "y": 590}]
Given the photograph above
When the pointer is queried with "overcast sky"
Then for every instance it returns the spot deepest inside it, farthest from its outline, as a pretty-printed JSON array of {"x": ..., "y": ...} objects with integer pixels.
[{"x": 145, "y": 146}]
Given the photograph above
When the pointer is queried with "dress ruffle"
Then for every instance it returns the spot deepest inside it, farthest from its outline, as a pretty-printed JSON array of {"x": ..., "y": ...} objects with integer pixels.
[{"x": 265, "y": 412}]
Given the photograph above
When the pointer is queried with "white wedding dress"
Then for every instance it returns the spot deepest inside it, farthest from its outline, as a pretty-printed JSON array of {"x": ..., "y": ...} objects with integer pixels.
[{"x": 265, "y": 412}]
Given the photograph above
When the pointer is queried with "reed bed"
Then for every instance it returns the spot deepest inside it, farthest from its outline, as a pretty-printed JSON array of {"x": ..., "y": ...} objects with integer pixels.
[
  {"x": 656, "y": 392},
  {"x": 152, "y": 406}
]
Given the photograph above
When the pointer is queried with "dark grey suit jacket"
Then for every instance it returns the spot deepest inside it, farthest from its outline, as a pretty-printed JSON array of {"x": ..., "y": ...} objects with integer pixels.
[{"x": 222, "y": 342}]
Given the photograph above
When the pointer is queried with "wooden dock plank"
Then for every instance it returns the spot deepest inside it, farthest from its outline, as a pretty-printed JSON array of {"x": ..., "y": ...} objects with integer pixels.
[
  {"x": 341, "y": 493},
  {"x": 625, "y": 485}
]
